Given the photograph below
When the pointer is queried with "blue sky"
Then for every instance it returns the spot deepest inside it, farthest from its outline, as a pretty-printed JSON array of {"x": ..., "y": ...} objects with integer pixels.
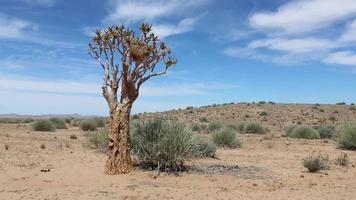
[{"x": 300, "y": 51}]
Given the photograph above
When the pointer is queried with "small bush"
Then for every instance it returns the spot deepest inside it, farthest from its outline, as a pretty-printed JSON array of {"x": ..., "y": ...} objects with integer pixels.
[
  {"x": 203, "y": 126},
  {"x": 305, "y": 132},
  {"x": 288, "y": 131},
  {"x": 203, "y": 119},
  {"x": 341, "y": 103},
  {"x": 202, "y": 147},
  {"x": 73, "y": 137},
  {"x": 100, "y": 122},
  {"x": 99, "y": 139},
  {"x": 353, "y": 108},
  {"x": 342, "y": 160},
  {"x": 326, "y": 132},
  {"x": 262, "y": 102},
  {"x": 28, "y": 120},
  {"x": 226, "y": 137},
  {"x": 88, "y": 125},
  {"x": 316, "y": 163},
  {"x": 43, "y": 125},
  {"x": 67, "y": 120},
  {"x": 263, "y": 113},
  {"x": 239, "y": 127},
  {"x": 196, "y": 127},
  {"x": 58, "y": 123},
  {"x": 135, "y": 117},
  {"x": 346, "y": 136},
  {"x": 214, "y": 126},
  {"x": 254, "y": 128},
  {"x": 162, "y": 145},
  {"x": 332, "y": 118}
]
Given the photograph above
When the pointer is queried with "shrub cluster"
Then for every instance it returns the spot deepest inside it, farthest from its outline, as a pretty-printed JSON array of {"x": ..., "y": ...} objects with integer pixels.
[
  {"x": 302, "y": 131},
  {"x": 99, "y": 139},
  {"x": 58, "y": 123},
  {"x": 307, "y": 132},
  {"x": 88, "y": 125},
  {"x": 227, "y": 137},
  {"x": 43, "y": 125},
  {"x": 316, "y": 163},
  {"x": 214, "y": 126},
  {"x": 346, "y": 136},
  {"x": 161, "y": 145},
  {"x": 203, "y": 147},
  {"x": 254, "y": 128}
]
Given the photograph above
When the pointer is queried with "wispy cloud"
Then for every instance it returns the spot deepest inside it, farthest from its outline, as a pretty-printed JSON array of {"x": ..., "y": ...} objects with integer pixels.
[
  {"x": 185, "y": 25},
  {"x": 148, "y": 9},
  {"x": 14, "y": 28},
  {"x": 304, "y": 15},
  {"x": 342, "y": 57},
  {"x": 294, "y": 33}
]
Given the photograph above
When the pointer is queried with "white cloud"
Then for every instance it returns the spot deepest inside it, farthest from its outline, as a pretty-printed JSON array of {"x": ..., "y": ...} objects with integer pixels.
[
  {"x": 350, "y": 33},
  {"x": 129, "y": 11},
  {"x": 342, "y": 58},
  {"x": 47, "y": 3},
  {"x": 165, "y": 30},
  {"x": 12, "y": 27},
  {"x": 297, "y": 45},
  {"x": 304, "y": 15}
]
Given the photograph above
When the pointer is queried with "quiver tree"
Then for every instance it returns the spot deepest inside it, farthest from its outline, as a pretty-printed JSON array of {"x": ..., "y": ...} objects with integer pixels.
[{"x": 128, "y": 60}]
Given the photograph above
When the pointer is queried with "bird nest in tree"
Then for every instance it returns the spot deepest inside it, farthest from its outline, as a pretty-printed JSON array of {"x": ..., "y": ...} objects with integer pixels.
[{"x": 139, "y": 51}]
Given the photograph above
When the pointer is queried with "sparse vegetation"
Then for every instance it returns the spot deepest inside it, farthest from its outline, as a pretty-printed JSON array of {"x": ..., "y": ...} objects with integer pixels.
[
  {"x": 73, "y": 137},
  {"x": 346, "y": 136},
  {"x": 325, "y": 132},
  {"x": 203, "y": 147},
  {"x": 214, "y": 126},
  {"x": 315, "y": 163},
  {"x": 99, "y": 139},
  {"x": 203, "y": 119},
  {"x": 227, "y": 137},
  {"x": 43, "y": 146},
  {"x": 88, "y": 125},
  {"x": 100, "y": 122},
  {"x": 162, "y": 145},
  {"x": 196, "y": 127},
  {"x": 43, "y": 125},
  {"x": 254, "y": 128},
  {"x": 342, "y": 160},
  {"x": 302, "y": 131},
  {"x": 58, "y": 123},
  {"x": 263, "y": 113}
]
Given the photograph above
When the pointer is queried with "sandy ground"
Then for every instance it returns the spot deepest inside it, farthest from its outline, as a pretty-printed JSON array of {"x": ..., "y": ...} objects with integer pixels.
[{"x": 270, "y": 168}]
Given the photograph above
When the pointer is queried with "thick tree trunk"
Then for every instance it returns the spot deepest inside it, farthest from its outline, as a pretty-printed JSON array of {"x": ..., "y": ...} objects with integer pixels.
[{"x": 119, "y": 158}]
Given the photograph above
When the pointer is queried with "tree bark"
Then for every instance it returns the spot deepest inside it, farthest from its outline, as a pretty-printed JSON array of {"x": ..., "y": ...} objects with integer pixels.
[{"x": 119, "y": 158}]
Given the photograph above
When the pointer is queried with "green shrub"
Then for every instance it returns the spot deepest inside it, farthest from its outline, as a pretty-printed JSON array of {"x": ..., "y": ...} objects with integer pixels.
[
  {"x": 28, "y": 120},
  {"x": 214, "y": 126},
  {"x": 88, "y": 125},
  {"x": 226, "y": 137},
  {"x": 195, "y": 127},
  {"x": 203, "y": 126},
  {"x": 43, "y": 125},
  {"x": 162, "y": 145},
  {"x": 263, "y": 113},
  {"x": 262, "y": 102},
  {"x": 135, "y": 117},
  {"x": 316, "y": 163},
  {"x": 203, "y": 119},
  {"x": 254, "y": 128},
  {"x": 325, "y": 131},
  {"x": 346, "y": 136},
  {"x": 202, "y": 147},
  {"x": 305, "y": 132},
  {"x": 239, "y": 127},
  {"x": 99, "y": 140},
  {"x": 58, "y": 123},
  {"x": 288, "y": 131},
  {"x": 332, "y": 118},
  {"x": 68, "y": 120},
  {"x": 100, "y": 122}
]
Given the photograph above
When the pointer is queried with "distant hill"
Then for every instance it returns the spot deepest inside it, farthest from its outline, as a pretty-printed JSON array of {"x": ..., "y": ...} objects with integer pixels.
[
  {"x": 275, "y": 116},
  {"x": 18, "y": 116}
]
